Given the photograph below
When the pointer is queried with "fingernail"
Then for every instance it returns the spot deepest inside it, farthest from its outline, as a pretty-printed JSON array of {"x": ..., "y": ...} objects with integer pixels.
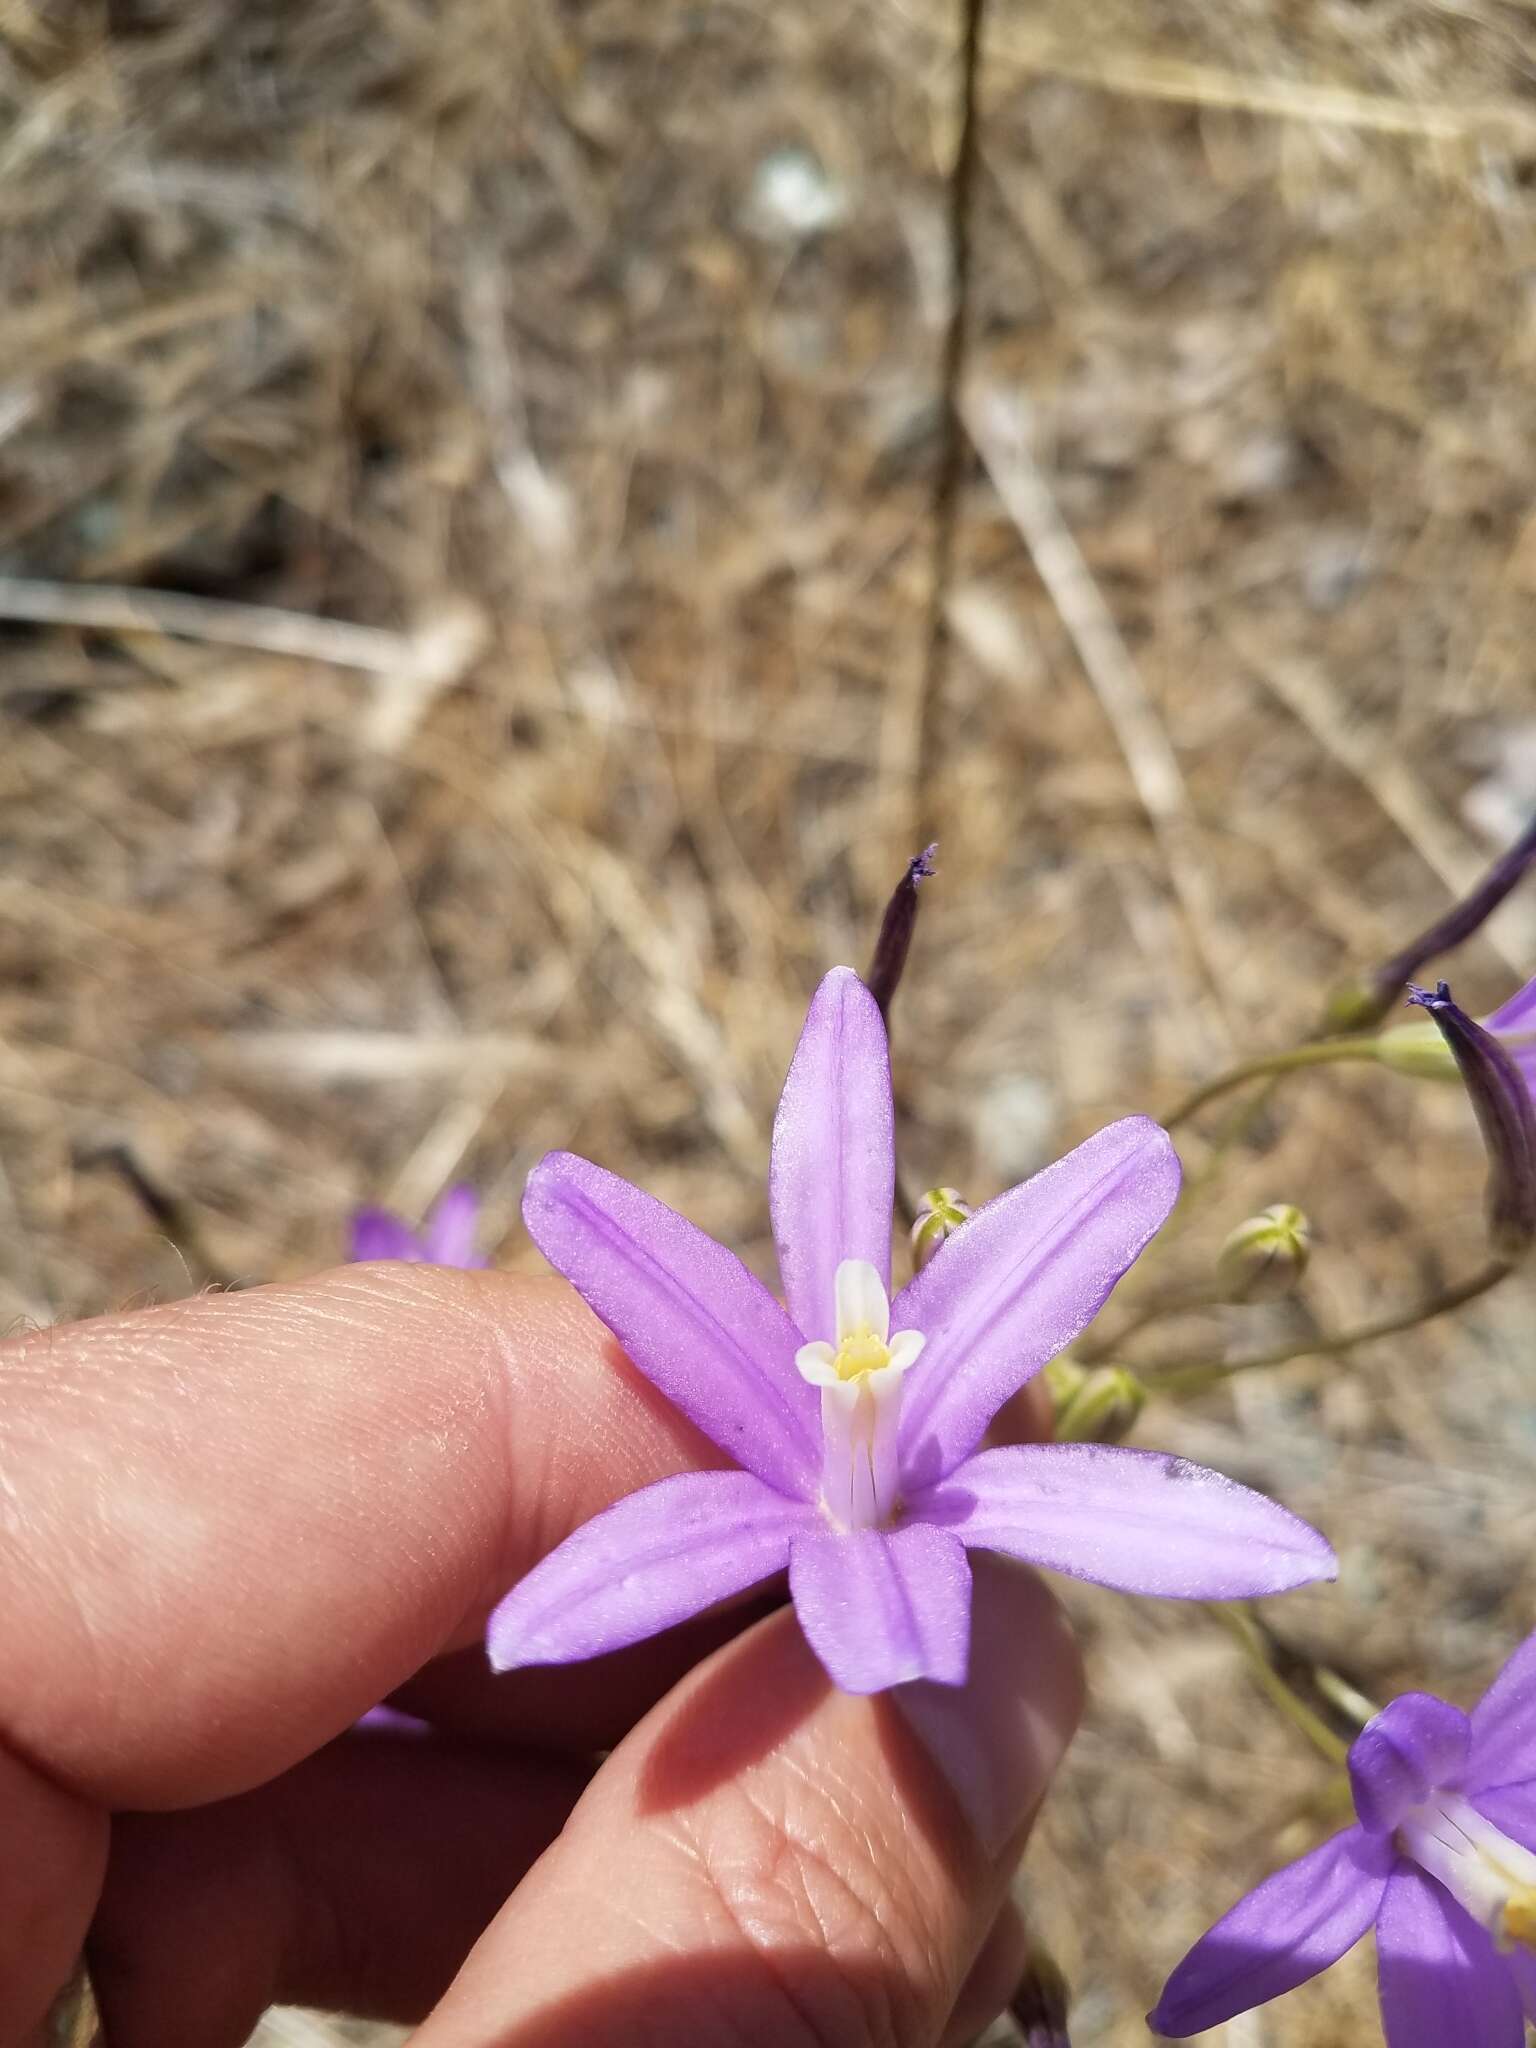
[{"x": 998, "y": 1738}]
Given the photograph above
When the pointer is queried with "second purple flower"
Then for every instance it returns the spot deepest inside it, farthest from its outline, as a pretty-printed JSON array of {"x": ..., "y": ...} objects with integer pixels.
[{"x": 856, "y": 1420}]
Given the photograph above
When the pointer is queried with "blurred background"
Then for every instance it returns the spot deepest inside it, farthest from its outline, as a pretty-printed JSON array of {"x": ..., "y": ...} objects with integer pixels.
[{"x": 576, "y": 388}]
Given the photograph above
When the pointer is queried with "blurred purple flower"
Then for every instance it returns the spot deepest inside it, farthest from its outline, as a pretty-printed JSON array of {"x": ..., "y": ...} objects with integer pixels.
[
  {"x": 447, "y": 1238},
  {"x": 1439, "y": 1863},
  {"x": 859, "y": 1447}
]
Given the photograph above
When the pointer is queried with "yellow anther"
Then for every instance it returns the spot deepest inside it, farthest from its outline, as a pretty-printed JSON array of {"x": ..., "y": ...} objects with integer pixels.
[
  {"x": 1520, "y": 1918},
  {"x": 861, "y": 1351}
]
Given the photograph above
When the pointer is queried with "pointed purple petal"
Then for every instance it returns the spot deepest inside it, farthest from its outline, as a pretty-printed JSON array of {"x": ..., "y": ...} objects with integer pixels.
[
  {"x": 687, "y": 1311},
  {"x": 1441, "y": 1981},
  {"x": 650, "y": 1560},
  {"x": 881, "y": 1606},
  {"x": 1016, "y": 1285},
  {"x": 378, "y": 1235},
  {"x": 1287, "y": 1929},
  {"x": 1514, "y": 1025},
  {"x": 1504, "y": 1725},
  {"x": 449, "y": 1236},
  {"x": 1416, "y": 1744},
  {"x": 833, "y": 1174},
  {"x": 1137, "y": 1520},
  {"x": 1518, "y": 1014}
]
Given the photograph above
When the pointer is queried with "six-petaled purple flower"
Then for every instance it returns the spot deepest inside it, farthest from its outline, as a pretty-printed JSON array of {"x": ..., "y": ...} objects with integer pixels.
[
  {"x": 447, "y": 1238},
  {"x": 856, "y": 1421},
  {"x": 1439, "y": 1862}
]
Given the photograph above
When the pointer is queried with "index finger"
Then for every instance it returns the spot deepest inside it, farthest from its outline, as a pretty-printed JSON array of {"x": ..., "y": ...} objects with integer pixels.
[{"x": 230, "y": 1525}]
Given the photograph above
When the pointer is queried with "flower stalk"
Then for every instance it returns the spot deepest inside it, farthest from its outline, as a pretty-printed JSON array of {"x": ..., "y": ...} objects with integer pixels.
[{"x": 1366, "y": 1001}]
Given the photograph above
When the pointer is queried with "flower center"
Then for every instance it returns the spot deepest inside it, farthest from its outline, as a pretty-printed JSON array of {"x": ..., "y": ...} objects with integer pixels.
[
  {"x": 1489, "y": 1875},
  {"x": 860, "y": 1381},
  {"x": 861, "y": 1351}
]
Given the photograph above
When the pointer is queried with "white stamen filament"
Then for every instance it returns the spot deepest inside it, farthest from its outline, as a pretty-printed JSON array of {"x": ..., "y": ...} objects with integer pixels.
[
  {"x": 860, "y": 1381},
  {"x": 1493, "y": 1878}
]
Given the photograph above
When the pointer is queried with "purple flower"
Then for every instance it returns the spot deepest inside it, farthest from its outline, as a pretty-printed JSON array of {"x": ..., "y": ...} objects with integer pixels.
[
  {"x": 1514, "y": 1025},
  {"x": 856, "y": 1421},
  {"x": 447, "y": 1238},
  {"x": 1439, "y": 1863}
]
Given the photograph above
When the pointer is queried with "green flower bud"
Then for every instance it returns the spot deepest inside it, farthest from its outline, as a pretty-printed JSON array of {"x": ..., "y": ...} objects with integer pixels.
[
  {"x": 1102, "y": 1409},
  {"x": 1265, "y": 1256},
  {"x": 939, "y": 1215},
  {"x": 1418, "y": 1050}
]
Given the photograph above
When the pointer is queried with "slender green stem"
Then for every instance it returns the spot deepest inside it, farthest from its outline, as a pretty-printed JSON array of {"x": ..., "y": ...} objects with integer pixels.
[
  {"x": 1321, "y": 1052},
  {"x": 1239, "y": 1624},
  {"x": 1207, "y": 1372},
  {"x": 1177, "y": 1301}
]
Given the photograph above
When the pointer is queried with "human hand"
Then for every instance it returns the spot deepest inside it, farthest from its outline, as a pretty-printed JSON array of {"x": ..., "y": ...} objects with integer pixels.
[{"x": 231, "y": 1525}]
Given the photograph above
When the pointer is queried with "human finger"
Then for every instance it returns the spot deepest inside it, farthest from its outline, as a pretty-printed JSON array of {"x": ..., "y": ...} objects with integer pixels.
[
  {"x": 357, "y": 1881},
  {"x": 766, "y": 1858},
  {"x": 232, "y": 1524}
]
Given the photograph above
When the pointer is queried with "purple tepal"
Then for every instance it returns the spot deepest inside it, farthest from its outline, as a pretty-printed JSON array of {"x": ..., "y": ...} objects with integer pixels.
[
  {"x": 447, "y": 1238},
  {"x": 856, "y": 1420}
]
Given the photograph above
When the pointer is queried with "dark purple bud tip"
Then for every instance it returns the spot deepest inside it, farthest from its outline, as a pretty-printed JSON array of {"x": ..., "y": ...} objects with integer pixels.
[
  {"x": 896, "y": 928},
  {"x": 1439, "y": 1000},
  {"x": 1502, "y": 1105}
]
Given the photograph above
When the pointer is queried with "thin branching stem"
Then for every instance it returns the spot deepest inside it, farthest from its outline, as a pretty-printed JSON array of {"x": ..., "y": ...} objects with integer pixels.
[
  {"x": 1318, "y": 1053},
  {"x": 1197, "y": 1374}
]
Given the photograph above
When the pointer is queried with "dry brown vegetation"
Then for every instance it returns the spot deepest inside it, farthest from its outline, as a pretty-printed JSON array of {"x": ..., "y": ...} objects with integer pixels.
[{"x": 589, "y": 356}]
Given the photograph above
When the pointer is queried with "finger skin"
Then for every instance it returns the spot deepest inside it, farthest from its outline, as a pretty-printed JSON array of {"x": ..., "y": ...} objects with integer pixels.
[
  {"x": 229, "y": 1526},
  {"x": 768, "y": 1861},
  {"x": 53, "y": 1849},
  {"x": 357, "y": 1881},
  {"x": 995, "y": 1976}
]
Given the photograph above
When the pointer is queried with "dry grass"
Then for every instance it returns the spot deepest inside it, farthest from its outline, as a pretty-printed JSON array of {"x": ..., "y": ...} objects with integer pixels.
[{"x": 588, "y": 357}]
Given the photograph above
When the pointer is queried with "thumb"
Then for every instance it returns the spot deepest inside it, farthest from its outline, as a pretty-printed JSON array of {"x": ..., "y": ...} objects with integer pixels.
[{"x": 767, "y": 1859}]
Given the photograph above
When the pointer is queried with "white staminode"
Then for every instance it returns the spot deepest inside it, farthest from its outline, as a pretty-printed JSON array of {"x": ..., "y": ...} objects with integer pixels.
[
  {"x": 860, "y": 1382},
  {"x": 1493, "y": 1878}
]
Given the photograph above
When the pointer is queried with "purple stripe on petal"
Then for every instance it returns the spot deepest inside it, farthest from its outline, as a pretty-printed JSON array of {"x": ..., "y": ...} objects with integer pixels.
[
  {"x": 881, "y": 1606},
  {"x": 1016, "y": 1285},
  {"x": 652, "y": 1559},
  {"x": 1442, "y": 1983},
  {"x": 687, "y": 1311},
  {"x": 833, "y": 1171},
  {"x": 1136, "y": 1520},
  {"x": 378, "y": 1235},
  {"x": 1504, "y": 1725},
  {"x": 1287, "y": 1929},
  {"x": 1413, "y": 1747},
  {"x": 448, "y": 1238}
]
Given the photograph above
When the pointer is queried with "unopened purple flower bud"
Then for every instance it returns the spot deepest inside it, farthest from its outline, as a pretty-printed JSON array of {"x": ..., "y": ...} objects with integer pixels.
[
  {"x": 896, "y": 928},
  {"x": 1502, "y": 1105},
  {"x": 1360, "y": 1004}
]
